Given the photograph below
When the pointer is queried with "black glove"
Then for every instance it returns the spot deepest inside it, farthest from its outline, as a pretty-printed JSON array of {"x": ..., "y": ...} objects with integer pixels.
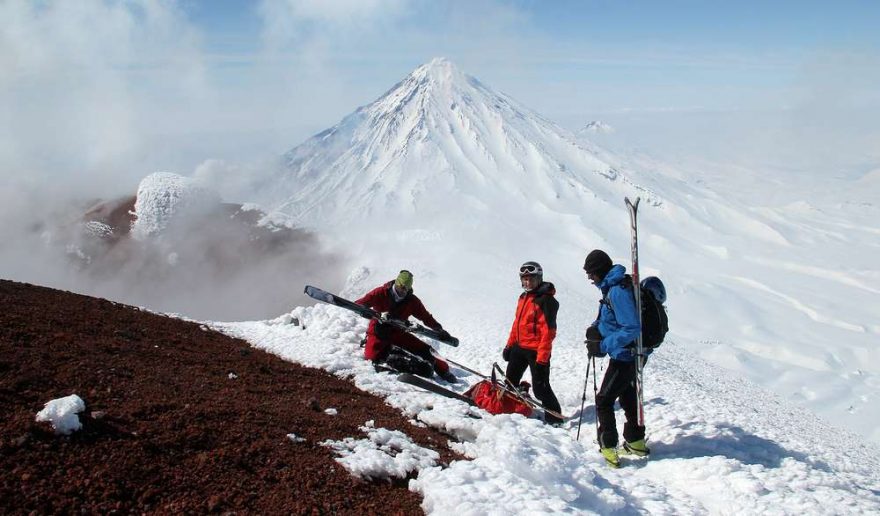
[
  {"x": 593, "y": 334},
  {"x": 594, "y": 348},
  {"x": 444, "y": 335},
  {"x": 506, "y": 354}
]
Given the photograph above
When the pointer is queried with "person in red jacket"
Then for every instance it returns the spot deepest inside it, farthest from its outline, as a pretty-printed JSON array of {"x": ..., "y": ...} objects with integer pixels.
[
  {"x": 531, "y": 337},
  {"x": 393, "y": 346}
]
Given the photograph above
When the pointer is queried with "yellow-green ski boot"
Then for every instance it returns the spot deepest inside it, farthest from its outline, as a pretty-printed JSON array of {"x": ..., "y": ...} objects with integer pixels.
[
  {"x": 611, "y": 456},
  {"x": 637, "y": 448}
]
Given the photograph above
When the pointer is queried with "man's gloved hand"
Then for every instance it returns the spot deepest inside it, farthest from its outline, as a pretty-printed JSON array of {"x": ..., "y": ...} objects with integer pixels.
[
  {"x": 594, "y": 348},
  {"x": 444, "y": 335},
  {"x": 506, "y": 354},
  {"x": 594, "y": 342}
]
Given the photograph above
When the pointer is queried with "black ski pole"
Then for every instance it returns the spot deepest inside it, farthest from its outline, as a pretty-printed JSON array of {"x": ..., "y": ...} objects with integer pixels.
[
  {"x": 583, "y": 400},
  {"x": 466, "y": 368},
  {"x": 595, "y": 399}
]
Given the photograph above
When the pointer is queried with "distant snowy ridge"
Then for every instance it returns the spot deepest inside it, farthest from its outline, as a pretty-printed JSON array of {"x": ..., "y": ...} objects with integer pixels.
[{"x": 597, "y": 127}]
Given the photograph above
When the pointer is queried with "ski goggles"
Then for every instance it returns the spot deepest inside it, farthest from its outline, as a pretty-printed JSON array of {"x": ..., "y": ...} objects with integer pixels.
[{"x": 526, "y": 270}]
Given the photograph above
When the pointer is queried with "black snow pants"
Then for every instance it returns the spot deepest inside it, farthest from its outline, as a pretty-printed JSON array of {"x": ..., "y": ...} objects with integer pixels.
[
  {"x": 619, "y": 384},
  {"x": 520, "y": 359}
]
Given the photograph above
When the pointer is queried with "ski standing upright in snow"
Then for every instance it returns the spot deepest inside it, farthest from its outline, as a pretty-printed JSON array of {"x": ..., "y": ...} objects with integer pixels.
[{"x": 632, "y": 208}]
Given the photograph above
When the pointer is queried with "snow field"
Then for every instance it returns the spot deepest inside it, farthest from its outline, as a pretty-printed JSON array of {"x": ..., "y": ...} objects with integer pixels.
[{"x": 720, "y": 444}]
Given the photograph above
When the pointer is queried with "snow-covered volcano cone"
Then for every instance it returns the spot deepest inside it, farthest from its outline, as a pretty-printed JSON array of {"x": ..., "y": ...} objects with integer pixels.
[{"x": 438, "y": 140}]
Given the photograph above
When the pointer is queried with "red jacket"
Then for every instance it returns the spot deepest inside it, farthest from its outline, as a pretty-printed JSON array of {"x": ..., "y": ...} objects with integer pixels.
[
  {"x": 534, "y": 327},
  {"x": 381, "y": 300}
]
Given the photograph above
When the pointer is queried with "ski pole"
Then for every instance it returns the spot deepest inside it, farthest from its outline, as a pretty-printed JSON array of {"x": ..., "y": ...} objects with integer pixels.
[
  {"x": 583, "y": 400},
  {"x": 595, "y": 398},
  {"x": 465, "y": 368}
]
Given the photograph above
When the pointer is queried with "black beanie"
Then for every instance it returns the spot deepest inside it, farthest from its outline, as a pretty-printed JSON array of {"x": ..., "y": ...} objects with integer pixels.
[{"x": 598, "y": 263}]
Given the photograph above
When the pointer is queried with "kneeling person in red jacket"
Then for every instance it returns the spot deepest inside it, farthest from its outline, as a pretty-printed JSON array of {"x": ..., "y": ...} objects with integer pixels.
[{"x": 393, "y": 346}]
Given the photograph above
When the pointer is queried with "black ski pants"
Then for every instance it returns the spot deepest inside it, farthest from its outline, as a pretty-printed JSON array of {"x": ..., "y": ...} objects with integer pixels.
[
  {"x": 619, "y": 384},
  {"x": 404, "y": 361},
  {"x": 520, "y": 359}
]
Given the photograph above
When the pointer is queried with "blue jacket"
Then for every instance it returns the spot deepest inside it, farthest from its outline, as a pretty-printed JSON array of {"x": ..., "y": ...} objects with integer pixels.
[{"x": 619, "y": 324}]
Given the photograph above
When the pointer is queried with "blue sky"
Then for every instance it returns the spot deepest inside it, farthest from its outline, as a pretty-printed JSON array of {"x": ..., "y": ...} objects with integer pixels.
[
  {"x": 166, "y": 84},
  {"x": 626, "y": 55},
  {"x": 745, "y": 24},
  {"x": 798, "y": 25}
]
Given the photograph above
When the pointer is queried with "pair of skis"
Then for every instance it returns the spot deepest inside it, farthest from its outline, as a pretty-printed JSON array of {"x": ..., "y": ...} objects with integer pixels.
[
  {"x": 632, "y": 208},
  {"x": 368, "y": 313}
]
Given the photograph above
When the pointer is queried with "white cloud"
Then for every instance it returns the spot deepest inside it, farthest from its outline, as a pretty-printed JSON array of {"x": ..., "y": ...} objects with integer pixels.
[
  {"x": 340, "y": 12},
  {"x": 300, "y": 24},
  {"x": 84, "y": 84}
]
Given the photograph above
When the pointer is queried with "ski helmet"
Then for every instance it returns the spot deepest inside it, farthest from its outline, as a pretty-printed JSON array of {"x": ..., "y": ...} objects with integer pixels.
[
  {"x": 656, "y": 287},
  {"x": 531, "y": 268},
  {"x": 404, "y": 280}
]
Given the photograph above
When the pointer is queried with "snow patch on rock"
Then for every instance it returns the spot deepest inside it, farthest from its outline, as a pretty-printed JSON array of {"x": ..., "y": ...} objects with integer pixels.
[
  {"x": 383, "y": 454},
  {"x": 162, "y": 197},
  {"x": 62, "y": 414}
]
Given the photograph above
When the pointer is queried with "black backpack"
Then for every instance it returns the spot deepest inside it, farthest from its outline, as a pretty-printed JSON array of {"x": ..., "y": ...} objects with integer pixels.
[{"x": 655, "y": 322}]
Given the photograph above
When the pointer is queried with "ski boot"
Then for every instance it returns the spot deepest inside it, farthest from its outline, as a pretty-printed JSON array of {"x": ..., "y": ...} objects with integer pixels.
[
  {"x": 637, "y": 448},
  {"x": 611, "y": 456}
]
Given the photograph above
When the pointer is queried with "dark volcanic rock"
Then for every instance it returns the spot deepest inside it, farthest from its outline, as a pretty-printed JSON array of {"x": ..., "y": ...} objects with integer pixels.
[{"x": 166, "y": 429}]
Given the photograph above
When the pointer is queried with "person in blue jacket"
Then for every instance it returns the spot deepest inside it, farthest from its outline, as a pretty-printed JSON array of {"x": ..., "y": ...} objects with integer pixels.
[{"x": 614, "y": 332}]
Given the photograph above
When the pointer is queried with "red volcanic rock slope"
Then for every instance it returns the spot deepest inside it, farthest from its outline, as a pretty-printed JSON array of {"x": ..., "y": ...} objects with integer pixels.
[{"x": 166, "y": 429}]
